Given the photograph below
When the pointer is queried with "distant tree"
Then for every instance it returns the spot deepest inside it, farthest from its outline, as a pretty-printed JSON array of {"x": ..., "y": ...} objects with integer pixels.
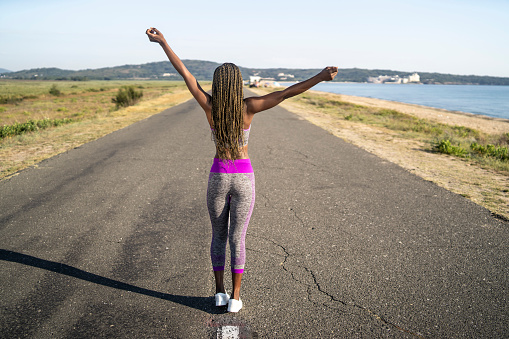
[{"x": 204, "y": 70}]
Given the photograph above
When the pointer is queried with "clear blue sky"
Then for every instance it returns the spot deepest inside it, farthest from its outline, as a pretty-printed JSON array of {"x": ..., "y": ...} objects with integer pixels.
[{"x": 447, "y": 36}]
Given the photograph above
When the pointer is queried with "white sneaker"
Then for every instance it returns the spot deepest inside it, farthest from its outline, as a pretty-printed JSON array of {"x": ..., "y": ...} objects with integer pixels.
[
  {"x": 234, "y": 305},
  {"x": 222, "y": 299}
]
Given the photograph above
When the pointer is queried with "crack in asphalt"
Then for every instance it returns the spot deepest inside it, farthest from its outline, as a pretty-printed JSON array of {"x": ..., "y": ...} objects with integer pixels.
[
  {"x": 306, "y": 160},
  {"x": 301, "y": 153},
  {"x": 316, "y": 285},
  {"x": 296, "y": 216}
]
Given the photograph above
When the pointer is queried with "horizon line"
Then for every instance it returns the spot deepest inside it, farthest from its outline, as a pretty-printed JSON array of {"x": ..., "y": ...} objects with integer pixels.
[{"x": 240, "y": 66}]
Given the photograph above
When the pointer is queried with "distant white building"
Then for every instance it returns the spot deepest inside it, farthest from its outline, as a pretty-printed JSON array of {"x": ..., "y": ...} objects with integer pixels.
[
  {"x": 169, "y": 74},
  {"x": 394, "y": 79},
  {"x": 414, "y": 78}
]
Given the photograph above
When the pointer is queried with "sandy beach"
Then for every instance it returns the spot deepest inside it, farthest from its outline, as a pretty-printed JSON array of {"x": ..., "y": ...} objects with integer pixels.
[
  {"x": 478, "y": 122},
  {"x": 485, "y": 187}
]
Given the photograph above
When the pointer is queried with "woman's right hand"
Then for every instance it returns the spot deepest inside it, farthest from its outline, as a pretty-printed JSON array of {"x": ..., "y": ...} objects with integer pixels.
[
  {"x": 329, "y": 73},
  {"x": 154, "y": 35}
]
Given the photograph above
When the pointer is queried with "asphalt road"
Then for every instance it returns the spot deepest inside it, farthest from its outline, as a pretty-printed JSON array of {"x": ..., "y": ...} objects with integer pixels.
[{"x": 112, "y": 239}]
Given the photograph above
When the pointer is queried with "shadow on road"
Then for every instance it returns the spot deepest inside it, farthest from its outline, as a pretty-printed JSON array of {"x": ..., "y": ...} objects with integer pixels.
[{"x": 200, "y": 303}]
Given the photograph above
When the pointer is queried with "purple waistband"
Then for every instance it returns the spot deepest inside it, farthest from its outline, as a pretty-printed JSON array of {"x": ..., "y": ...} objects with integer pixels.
[{"x": 231, "y": 166}]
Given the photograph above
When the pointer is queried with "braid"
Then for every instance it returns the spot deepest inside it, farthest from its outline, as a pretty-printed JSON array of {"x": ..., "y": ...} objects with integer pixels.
[{"x": 228, "y": 111}]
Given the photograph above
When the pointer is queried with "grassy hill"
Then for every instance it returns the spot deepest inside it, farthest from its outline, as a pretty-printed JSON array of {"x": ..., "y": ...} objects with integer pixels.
[{"x": 204, "y": 70}]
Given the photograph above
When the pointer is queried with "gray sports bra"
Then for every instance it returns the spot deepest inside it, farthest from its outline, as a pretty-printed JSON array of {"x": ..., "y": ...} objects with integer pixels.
[{"x": 246, "y": 136}]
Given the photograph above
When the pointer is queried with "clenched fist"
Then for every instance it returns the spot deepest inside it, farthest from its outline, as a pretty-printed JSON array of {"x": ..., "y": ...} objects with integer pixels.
[
  {"x": 154, "y": 35},
  {"x": 328, "y": 73}
]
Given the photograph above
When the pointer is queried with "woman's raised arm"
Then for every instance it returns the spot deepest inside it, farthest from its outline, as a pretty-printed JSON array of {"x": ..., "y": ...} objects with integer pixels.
[
  {"x": 203, "y": 98},
  {"x": 258, "y": 104}
]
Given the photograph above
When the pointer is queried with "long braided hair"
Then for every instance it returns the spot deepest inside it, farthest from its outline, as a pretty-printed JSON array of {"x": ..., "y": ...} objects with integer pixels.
[{"x": 228, "y": 111}]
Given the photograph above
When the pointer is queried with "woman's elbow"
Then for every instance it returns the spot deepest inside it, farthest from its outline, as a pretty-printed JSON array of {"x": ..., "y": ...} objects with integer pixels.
[{"x": 283, "y": 95}]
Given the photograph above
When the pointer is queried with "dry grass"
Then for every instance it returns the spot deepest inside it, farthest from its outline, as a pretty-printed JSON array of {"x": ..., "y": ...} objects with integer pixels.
[
  {"x": 472, "y": 180},
  {"x": 99, "y": 119},
  {"x": 81, "y": 100}
]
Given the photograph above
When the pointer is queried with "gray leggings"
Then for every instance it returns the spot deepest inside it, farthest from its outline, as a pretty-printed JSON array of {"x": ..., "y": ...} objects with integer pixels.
[{"x": 230, "y": 201}]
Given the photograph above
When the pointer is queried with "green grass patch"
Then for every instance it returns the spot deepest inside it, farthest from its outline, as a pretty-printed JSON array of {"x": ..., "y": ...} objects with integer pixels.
[
  {"x": 31, "y": 126},
  {"x": 489, "y": 155}
]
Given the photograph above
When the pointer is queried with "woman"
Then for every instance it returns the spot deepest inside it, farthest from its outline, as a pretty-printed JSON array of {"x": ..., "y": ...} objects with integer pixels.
[{"x": 231, "y": 186}]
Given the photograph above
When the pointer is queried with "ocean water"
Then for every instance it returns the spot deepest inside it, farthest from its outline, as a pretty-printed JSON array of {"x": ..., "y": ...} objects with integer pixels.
[{"x": 492, "y": 101}]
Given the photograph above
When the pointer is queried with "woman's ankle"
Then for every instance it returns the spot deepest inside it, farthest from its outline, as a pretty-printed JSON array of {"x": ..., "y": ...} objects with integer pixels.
[{"x": 219, "y": 280}]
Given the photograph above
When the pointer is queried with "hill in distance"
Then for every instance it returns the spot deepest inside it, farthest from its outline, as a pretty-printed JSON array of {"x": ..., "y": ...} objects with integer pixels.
[
  {"x": 204, "y": 70},
  {"x": 3, "y": 70}
]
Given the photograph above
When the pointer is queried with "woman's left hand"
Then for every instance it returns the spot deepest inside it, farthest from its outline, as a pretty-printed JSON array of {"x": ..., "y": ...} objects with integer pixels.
[
  {"x": 329, "y": 73},
  {"x": 154, "y": 35}
]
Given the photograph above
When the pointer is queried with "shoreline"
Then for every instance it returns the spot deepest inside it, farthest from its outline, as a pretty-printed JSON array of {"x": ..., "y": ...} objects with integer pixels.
[
  {"x": 424, "y": 106},
  {"x": 480, "y": 122},
  {"x": 484, "y": 116}
]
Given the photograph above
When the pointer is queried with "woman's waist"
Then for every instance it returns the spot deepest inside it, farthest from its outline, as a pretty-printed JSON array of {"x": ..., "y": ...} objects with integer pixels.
[{"x": 242, "y": 165}]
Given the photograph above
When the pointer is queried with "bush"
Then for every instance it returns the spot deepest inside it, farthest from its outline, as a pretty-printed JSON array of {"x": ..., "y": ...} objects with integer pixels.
[
  {"x": 498, "y": 152},
  {"x": 55, "y": 91},
  {"x": 445, "y": 146},
  {"x": 127, "y": 96}
]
